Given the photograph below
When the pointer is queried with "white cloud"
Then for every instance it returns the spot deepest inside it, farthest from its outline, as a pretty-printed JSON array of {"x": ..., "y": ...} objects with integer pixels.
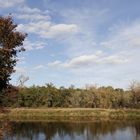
[
  {"x": 10, "y": 3},
  {"x": 46, "y": 29},
  {"x": 55, "y": 63},
  {"x": 61, "y": 30},
  {"x": 124, "y": 36},
  {"x": 81, "y": 61},
  {"x": 32, "y": 17},
  {"x": 39, "y": 23},
  {"x": 26, "y": 9},
  {"x": 20, "y": 70},
  {"x": 88, "y": 21},
  {"x": 114, "y": 59},
  {"x": 39, "y": 67},
  {"x": 90, "y": 60},
  {"x": 32, "y": 14},
  {"x": 28, "y": 45}
]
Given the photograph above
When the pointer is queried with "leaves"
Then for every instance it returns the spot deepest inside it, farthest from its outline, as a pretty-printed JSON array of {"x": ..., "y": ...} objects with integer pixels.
[{"x": 11, "y": 42}]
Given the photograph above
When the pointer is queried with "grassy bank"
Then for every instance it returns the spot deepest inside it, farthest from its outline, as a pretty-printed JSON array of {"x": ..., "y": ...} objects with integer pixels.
[{"x": 69, "y": 114}]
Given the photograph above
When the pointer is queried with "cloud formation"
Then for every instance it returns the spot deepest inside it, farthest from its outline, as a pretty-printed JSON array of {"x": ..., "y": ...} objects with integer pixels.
[
  {"x": 36, "y": 45},
  {"x": 47, "y": 30},
  {"x": 20, "y": 69},
  {"x": 40, "y": 23},
  {"x": 38, "y": 67},
  {"x": 32, "y": 14},
  {"x": 10, "y": 3},
  {"x": 90, "y": 60},
  {"x": 121, "y": 36}
]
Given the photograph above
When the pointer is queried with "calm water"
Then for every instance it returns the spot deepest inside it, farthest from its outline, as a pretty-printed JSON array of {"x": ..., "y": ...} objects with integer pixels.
[{"x": 74, "y": 131}]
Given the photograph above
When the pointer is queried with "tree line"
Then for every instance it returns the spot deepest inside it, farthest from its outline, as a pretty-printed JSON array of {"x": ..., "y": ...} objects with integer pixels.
[{"x": 90, "y": 97}]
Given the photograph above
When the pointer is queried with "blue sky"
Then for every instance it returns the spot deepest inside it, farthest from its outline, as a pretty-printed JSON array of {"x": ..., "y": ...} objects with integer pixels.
[{"x": 78, "y": 42}]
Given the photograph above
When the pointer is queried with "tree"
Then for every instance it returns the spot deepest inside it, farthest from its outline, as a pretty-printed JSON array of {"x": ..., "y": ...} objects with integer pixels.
[
  {"x": 11, "y": 42},
  {"x": 21, "y": 80},
  {"x": 135, "y": 89}
]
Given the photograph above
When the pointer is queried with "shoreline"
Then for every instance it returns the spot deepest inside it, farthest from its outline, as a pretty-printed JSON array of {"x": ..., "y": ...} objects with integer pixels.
[{"x": 75, "y": 114}]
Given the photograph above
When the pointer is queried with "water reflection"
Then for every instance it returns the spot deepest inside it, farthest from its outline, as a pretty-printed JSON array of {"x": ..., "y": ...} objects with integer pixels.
[{"x": 74, "y": 131}]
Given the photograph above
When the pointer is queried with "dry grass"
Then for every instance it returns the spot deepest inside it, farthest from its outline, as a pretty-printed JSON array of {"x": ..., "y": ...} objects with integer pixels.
[{"x": 69, "y": 113}]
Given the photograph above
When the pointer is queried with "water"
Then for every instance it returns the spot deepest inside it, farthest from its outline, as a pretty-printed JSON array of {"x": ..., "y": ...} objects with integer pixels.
[{"x": 108, "y": 130}]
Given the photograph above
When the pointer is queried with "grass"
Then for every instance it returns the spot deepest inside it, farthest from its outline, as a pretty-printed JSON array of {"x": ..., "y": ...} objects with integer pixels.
[{"x": 69, "y": 114}]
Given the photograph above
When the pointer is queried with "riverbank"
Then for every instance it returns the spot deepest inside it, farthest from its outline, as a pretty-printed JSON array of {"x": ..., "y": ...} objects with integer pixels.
[{"x": 69, "y": 114}]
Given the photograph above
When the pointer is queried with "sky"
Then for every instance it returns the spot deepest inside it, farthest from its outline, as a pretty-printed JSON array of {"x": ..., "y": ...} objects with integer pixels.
[{"x": 77, "y": 42}]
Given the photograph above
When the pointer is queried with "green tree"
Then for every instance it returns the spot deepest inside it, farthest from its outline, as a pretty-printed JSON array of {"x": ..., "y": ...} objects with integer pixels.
[{"x": 11, "y": 42}]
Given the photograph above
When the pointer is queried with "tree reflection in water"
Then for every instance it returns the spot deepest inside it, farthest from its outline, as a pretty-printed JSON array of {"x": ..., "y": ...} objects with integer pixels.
[
  {"x": 5, "y": 126},
  {"x": 5, "y": 129},
  {"x": 71, "y": 130}
]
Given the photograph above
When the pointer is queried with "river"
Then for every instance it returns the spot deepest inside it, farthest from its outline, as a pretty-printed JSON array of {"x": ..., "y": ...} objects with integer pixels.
[{"x": 78, "y": 130}]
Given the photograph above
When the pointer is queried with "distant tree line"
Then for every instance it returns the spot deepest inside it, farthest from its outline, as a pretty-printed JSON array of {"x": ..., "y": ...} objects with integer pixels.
[{"x": 91, "y": 97}]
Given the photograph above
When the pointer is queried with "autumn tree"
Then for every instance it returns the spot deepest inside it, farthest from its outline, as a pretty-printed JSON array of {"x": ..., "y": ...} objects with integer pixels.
[
  {"x": 11, "y": 42},
  {"x": 135, "y": 89}
]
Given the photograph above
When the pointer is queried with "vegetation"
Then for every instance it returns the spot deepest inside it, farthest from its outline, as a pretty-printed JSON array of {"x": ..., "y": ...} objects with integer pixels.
[
  {"x": 10, "y": 44},
  {"x": 91, "y": 97},
  {"x": 71, "y": 114}
]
